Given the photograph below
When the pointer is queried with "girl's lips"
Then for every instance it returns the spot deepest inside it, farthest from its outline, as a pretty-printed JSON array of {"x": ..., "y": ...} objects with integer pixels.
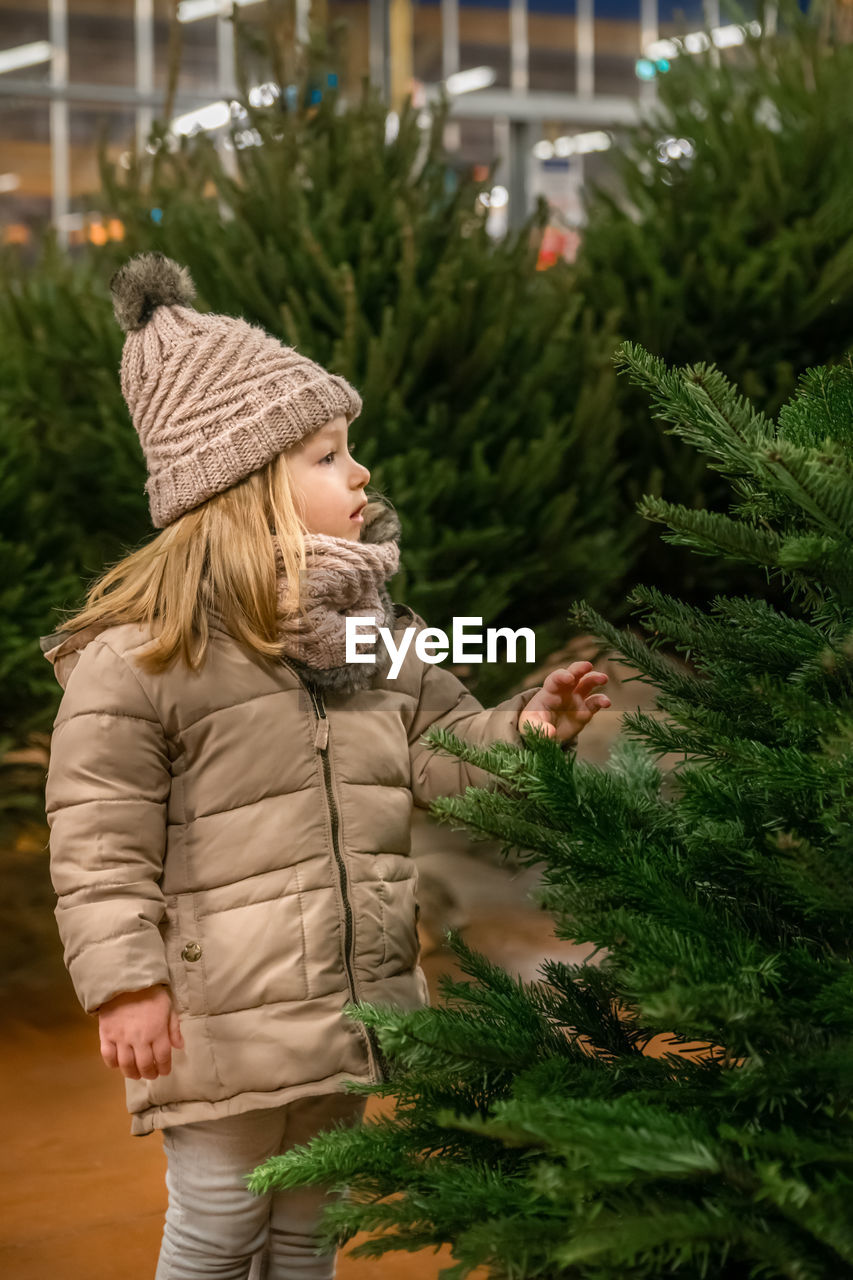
[{"x": 358, "y": 517}]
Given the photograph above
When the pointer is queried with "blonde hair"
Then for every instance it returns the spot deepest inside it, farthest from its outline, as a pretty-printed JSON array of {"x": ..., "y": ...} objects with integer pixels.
[{"x": 216, "y": 562}]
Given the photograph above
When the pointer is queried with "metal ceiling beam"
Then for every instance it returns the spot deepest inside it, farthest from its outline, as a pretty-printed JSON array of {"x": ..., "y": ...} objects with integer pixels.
[
  {"x": 534, "y": 107},
  {"x": 116, "y": 95}
]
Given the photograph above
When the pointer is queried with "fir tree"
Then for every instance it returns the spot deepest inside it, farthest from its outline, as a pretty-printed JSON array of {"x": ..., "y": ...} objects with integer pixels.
[
  {"x": 736, "y": 245},
  {"x": 680, "y": 1104},
  {"x": 71, "y": 469}
]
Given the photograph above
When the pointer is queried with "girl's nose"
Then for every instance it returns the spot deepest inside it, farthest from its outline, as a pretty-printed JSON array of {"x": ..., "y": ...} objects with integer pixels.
[{"x": 363, "y": 475}]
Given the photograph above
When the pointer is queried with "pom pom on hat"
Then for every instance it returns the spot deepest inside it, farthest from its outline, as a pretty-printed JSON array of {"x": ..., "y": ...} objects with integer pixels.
[{"x": 148, "y": 281}]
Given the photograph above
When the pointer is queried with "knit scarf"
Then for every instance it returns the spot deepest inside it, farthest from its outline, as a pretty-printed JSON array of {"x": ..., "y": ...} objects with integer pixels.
[{"x": 342, "y": 579}]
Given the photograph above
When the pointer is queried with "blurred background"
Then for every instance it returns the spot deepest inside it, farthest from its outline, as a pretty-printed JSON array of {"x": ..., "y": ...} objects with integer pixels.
[{"x": 534, "y": 84}]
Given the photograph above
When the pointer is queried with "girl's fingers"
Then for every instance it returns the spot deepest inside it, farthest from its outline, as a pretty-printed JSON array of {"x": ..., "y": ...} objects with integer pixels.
[
  {"x": 551, "y": 698},
  {"x": 594, "y": 680},
  {"x": 557, "y": 684},
  {"x": 175, "y": 1034},
  {"x": 127, "y": 1062},
  {"x": 576, "y": 669},
  {"x": 577, "y": 677},
  {"x": 162, "y": 1056},
  {"x": 109, "y": 1053},
  {"x": 564, "y": 676},
  {"x": 145, "y": 1063},
  {"x": 598, "y": 703},
  {"x": 571, "y": 692}
]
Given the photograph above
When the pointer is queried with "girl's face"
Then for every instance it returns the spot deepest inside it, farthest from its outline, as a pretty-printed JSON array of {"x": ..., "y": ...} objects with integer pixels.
[{"x": 328, "y": 482}]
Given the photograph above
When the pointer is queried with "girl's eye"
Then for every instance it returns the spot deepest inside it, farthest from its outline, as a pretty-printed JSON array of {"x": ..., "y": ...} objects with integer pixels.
[{"x": 328, "y": 457}]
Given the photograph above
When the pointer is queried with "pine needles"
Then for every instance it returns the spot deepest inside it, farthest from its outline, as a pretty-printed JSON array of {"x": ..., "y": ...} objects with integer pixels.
[{"x": 680, "y": 1104}]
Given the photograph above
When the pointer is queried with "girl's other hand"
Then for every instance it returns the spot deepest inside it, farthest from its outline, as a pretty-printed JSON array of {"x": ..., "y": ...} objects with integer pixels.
[
  {"x": 138, "y": 1030},
  {"x": 566, "y": 701}
]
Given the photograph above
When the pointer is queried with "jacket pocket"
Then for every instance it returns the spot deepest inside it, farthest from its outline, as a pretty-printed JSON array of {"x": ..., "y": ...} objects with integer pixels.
[
  {"x": 399, "y": 921},
  {"x": 254, "y": 954}
]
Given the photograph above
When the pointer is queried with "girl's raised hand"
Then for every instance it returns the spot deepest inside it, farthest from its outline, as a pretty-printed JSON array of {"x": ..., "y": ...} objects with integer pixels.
[
  {"x": 566, "y": 702},
  {"x": 138, "y": 1030}
]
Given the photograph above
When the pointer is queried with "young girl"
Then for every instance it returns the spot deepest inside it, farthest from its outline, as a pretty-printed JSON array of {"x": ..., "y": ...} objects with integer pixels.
[{"x": 229, "y": 799}]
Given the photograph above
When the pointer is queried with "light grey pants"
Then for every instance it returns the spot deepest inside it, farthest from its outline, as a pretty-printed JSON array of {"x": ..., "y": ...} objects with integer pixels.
[{"x": 215, "y": 1227}]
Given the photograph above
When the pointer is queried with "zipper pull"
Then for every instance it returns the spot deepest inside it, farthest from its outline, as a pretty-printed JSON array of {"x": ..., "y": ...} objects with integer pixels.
[{"x": 321, "y": 737}]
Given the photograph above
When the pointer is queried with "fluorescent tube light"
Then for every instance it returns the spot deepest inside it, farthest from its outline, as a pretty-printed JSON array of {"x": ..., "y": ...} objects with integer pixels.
[
  {"x": 194, "y": 10},
  {"x": 573, "y": 144},
  {"x": 468, "y": 81},
  {"x": 25, "y": 55},
  {"x": 723, "y": 37},
  {"x": 216, "y": 114},
  {"x": 213, "y": 116},
  {"x": 662, "y": 49},
  {"x": 698, "y": 41}
]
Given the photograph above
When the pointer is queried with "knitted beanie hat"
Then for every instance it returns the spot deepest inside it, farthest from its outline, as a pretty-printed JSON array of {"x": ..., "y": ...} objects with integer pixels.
[{"x": 212, "y": 397}]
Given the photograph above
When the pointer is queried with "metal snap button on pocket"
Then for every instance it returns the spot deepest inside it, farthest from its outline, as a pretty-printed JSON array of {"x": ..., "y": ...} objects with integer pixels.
[{"x": 191, "y": 952}]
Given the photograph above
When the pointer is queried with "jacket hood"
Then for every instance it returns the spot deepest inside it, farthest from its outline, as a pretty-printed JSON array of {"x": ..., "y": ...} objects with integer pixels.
[{"x": 63, "y": 648}]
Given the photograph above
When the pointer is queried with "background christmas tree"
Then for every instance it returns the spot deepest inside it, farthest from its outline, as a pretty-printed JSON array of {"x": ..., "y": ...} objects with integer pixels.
[
  {"x": 71, "y": 475},
  {"x": 680, "y": 1104},
  {"x": 725, "y": 232}
]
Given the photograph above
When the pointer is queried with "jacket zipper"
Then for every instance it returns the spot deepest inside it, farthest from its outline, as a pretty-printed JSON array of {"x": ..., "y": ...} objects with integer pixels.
[{"x": 321, "y": 742}]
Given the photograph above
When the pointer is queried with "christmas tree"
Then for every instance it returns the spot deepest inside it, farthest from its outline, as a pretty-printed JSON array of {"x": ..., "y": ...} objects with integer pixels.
[
  {"x": 71, "y": 469},
  {"x": 680, "y": 1104},
  {"x": 725, "y": 232}
]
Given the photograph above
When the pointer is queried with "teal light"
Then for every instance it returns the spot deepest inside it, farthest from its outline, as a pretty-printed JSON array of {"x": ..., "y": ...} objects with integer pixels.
[
  {"x": 663, "y": 65},
  {"x": 645, "y": 69}
]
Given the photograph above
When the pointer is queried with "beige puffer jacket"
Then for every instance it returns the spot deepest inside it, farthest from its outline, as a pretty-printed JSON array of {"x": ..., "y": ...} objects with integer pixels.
[{"x": 244, "y": 839}]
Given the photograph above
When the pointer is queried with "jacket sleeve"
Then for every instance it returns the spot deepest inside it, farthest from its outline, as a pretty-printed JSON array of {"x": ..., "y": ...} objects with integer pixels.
[
  {"x": 107, "y": 792},
  {"x": 445, "y": 703}
]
